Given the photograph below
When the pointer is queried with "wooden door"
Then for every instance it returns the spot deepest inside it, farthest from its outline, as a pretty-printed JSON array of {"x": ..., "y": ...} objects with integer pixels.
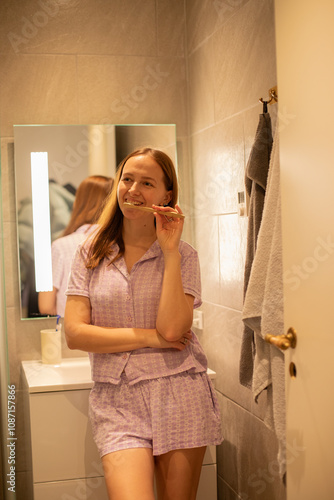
[{"x": 305, "y": 65}]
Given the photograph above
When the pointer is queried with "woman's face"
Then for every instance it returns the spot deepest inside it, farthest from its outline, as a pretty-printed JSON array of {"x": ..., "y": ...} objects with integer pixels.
[{"x": 141, "y": 183}]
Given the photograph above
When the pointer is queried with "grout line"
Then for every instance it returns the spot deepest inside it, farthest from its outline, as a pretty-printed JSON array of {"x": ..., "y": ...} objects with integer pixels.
[{"x": 224, "y": 119}]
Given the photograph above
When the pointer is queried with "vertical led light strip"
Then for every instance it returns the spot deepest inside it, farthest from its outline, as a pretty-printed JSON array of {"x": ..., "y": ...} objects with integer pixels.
[{"x": 41, "y": 221}]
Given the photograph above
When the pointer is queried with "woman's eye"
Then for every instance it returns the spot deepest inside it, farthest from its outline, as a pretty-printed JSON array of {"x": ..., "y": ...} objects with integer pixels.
[{"x": 147, "y": 184}]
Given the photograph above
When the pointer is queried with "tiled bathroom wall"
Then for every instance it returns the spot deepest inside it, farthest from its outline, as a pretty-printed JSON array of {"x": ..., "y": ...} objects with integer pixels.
[
  {"x": 231, "y": 64},
  {"x": 77, "y": 62}
]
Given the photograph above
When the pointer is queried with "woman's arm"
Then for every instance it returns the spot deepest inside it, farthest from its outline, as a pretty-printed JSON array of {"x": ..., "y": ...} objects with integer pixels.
[
  {"x": 80, "y": 334},
  {"x": 175, "y": 313},
  {"x": 47, "y": 302}
]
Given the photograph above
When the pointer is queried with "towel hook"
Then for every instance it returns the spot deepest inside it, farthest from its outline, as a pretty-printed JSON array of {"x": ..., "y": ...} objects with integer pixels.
[{"x": 272, "y": 100}]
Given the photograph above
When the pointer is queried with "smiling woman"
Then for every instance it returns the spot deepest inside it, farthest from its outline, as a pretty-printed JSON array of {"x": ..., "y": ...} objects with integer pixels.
[{"x": 131, "y": 294}]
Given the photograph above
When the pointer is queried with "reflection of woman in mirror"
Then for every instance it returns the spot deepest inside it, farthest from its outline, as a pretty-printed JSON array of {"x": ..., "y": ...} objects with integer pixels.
[
  {"x": 87, "y": 206},
  {"x": 130, "y": 300}
]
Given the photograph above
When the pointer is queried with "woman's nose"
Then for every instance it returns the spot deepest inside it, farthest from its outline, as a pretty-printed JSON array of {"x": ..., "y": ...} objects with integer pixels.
[{"x": 134, "y": 187}]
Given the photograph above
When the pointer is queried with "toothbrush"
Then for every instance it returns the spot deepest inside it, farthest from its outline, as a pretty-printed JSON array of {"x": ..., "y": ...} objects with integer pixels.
[
  {"x": 58, "y": 324},
  {"x": 152, "y": 210}
]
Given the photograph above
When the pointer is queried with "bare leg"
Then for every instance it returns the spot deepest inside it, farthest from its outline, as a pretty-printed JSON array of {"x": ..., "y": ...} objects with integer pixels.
[
  {"x": 178, "y": 473},
  {"x": 129, "y": 474}
]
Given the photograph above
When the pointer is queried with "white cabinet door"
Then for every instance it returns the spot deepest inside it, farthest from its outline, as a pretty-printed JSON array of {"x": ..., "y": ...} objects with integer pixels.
[{"x": 61, "y": 438}]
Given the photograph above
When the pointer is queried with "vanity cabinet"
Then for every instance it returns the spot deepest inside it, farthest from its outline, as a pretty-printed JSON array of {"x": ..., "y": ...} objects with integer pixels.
[{"x": 65, "y": 461}]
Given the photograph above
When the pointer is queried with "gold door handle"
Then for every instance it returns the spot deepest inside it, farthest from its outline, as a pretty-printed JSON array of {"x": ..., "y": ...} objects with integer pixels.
[{"x": 283, "y": 341}]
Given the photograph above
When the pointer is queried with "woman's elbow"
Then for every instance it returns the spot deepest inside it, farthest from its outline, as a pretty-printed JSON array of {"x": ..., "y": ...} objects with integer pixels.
[
  {"x": 47, "y": 309},
  {"x": 171, "y": 336},
  {"x": 70, "y": 341},
  {"x": 71, "y": 336},
  {"x": 174, "y": 334},
  {"x": 71, "y": 344}
]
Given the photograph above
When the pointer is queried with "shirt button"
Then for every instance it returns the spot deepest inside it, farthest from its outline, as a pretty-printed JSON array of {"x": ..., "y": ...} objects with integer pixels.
[
  {"x": 124, "y": 356},
  {"x": 129, "y": 318}
]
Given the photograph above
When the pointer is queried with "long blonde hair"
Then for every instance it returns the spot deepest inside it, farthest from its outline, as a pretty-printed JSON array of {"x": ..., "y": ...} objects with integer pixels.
[
  {"x": 88, "y": 202},
  {"x": 111, "y": 219}
]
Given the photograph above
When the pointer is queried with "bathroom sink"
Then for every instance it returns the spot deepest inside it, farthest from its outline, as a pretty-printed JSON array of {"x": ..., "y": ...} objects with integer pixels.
[{"x": 71, "y": 373}]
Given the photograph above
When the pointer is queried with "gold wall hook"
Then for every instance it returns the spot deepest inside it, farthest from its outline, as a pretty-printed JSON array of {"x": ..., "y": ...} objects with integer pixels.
[
  {"x": 283, "y": 341},
  {"x": 273, "y": 97}
]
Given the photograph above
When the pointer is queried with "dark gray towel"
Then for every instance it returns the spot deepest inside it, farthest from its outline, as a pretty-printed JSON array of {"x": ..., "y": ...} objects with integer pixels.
[{"x": 255, "y": 182}]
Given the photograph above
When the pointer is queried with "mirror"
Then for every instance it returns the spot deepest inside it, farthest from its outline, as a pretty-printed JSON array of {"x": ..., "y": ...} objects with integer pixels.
[{"x": 74, "y": 153}]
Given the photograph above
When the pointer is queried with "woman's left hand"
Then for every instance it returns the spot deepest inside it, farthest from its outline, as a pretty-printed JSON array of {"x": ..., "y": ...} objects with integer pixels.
[{"x": 169, "y": 229}]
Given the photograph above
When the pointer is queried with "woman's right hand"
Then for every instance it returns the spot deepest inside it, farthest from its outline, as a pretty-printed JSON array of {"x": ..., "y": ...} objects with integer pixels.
[{"x": 157, "y": 341}]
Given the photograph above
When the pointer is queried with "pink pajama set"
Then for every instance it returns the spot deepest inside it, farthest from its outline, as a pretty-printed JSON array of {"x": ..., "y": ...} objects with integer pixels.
[{"x": 153, "y": 398}]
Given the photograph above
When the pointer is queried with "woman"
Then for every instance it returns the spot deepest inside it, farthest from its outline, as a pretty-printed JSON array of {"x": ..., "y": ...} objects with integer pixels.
[
  {"x": 88, "y": 202},
  {"x": 130, "y": 301}
]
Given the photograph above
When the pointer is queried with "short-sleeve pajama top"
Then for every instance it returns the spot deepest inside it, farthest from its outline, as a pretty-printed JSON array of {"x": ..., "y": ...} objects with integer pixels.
[{"x": 120, "y": 299}]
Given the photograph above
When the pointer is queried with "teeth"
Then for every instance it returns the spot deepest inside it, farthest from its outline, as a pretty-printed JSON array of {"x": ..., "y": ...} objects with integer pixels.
[{"x": 134, "y": 203}]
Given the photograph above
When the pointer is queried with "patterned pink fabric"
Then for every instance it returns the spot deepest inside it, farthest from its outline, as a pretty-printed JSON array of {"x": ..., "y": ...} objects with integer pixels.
[
  {"x": 164, "y": 414},
  {"x": 119, "y": 299},
  {"x": 63, "y": 250}
]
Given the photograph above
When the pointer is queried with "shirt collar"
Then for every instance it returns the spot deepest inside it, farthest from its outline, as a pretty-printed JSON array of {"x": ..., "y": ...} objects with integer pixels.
[{"x": 153, "y": 252}]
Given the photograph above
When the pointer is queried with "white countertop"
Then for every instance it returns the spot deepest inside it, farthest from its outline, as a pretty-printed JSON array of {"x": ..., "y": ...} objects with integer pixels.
[{"x": 71, "y": 374}]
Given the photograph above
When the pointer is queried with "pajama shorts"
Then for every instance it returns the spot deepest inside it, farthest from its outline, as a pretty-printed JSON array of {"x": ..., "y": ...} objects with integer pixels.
[{"x": 167, "y": 413}]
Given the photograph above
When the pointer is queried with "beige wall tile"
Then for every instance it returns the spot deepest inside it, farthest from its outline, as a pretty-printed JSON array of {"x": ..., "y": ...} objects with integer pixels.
[
  {"x": 224, "y": 491},
  {"x": 245, "y": 63},
  {"x": 37, "y": 89},
  {"x": 221, "y": 340},
  {"x": 207, "y": 245},
  {"x": 247, "y": 458},
  {"x": 218, "y": 167},
  {"x": 201, "y": 88},
  {"x": 7, "y": 180},
  {"x": 201, "y": 21},
  {"x": 232, "y": 246},
  {"x": 204, "y": 17},
  {"x": 9, "y": 223},
  {"x": 24, "y": 485},
  {"x": 131, "y": 90},
  {"x": 11, "y": 264},
  {"x": 185, "y": 188},
  {"x": 101, "y": 27},
  {"x": 171, "y": 28}
]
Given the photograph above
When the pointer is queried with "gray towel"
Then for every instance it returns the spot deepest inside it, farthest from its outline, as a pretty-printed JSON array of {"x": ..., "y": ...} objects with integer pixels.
[
  {"x": 255, "y": 183},
  {"x": 263, "y": 309}
]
